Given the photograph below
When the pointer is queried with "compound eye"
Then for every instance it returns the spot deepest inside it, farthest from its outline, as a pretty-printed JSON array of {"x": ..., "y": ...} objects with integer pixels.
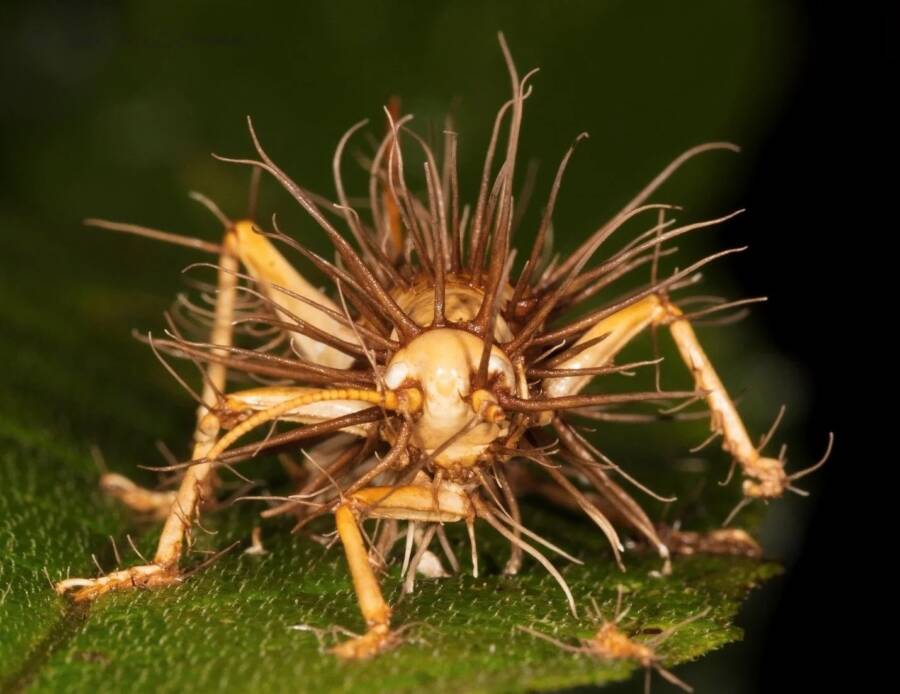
[{"x": 396, "y": 374}]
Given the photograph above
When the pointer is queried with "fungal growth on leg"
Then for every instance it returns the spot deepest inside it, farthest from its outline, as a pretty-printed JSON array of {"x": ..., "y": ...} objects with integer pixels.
[{"x": 438, "y": 374}]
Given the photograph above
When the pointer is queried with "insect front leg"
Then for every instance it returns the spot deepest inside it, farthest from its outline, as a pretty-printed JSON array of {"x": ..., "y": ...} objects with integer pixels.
[
  {"x": 196, "y": 481},
  {"x": 294, "y": 297},
  {"x": 763, "y": 477},
  {"x": 291, "y": 295},
  {"x": 417, "y": 503}
]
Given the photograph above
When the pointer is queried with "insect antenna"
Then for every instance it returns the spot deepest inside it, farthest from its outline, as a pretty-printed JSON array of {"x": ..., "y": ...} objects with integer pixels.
[
  {"x": 568, "y": 402},
  {"x": 241, "y": 453},
  {"x": 388, "y": 400}
]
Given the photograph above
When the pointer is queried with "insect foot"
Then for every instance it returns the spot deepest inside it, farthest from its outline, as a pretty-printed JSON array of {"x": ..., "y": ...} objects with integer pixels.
[
  {"x": 765, "y": 479},
  {"x": 147, "y": 576},
  {"x": 377, "y": 640}
]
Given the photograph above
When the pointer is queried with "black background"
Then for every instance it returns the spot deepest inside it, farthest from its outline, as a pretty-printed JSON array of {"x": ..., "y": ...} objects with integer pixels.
[{"x": 820, "y": 180}]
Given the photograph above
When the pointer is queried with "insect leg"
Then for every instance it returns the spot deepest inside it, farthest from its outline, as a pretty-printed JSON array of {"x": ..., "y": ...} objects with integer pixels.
[
  {"x": 764, "y": 477},
  {"x": 418, "y": 503},
  {"x": 287, "y": 289},
  {"x": 164, "y": 569}
]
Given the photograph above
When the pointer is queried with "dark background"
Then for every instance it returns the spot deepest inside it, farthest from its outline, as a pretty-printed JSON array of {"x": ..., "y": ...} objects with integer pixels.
[
  {"x": 817, "y": 177},
  {"x": 111, "y": 110},
  {"x": 817, "y": 169}
]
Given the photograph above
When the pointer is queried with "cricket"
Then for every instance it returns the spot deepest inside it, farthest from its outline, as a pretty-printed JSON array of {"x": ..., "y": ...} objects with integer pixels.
[{"x": 440, "y": 375}]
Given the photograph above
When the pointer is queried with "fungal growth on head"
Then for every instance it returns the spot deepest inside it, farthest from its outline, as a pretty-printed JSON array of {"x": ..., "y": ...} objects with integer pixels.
[{"x": 438, "y": 377}]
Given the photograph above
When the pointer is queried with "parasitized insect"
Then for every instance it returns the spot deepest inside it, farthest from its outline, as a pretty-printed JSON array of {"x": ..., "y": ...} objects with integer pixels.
[
  {"x": 432, "y": 370},
  {"x": 610, "y": 642}
]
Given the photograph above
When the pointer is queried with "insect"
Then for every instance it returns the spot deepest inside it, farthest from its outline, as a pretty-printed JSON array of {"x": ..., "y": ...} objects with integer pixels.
[
  {"x": 611, "y": 643},
  {"x": 431, "y": 371}
]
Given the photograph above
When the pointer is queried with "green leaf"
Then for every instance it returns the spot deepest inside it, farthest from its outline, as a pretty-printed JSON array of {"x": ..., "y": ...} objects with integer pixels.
[{"x": 248, "y": 622}]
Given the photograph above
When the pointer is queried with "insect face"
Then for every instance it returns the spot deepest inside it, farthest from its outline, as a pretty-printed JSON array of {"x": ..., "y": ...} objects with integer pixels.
[{"x": 441, "y": 363}]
